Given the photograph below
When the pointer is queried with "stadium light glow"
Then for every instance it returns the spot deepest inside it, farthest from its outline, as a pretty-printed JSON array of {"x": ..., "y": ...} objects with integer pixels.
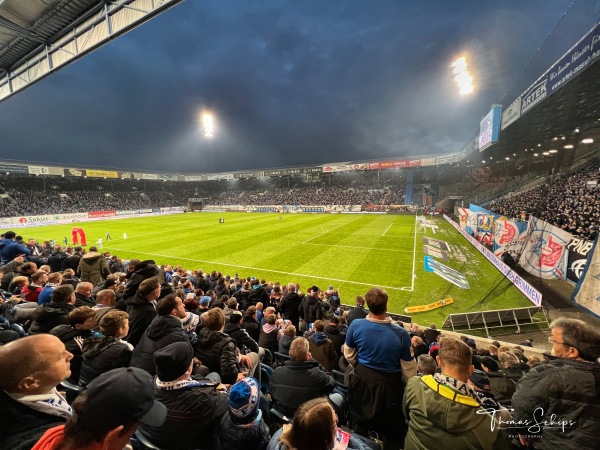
[
  {"x": 587, "y": 141},
  {"x": 208, "y": 125},
  {"x": 545, "y": 153},
  {"x": 577, "y": 130},
  {"x": 462, "y": 76},
  {"x": 535, "y": 154},
  {"x": 552, "y": 151},
  {"x": 568, "y": 146}
]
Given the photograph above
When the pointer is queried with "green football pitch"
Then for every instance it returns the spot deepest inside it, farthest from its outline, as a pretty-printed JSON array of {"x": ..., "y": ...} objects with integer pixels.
[{"x": 351, "y": 252}]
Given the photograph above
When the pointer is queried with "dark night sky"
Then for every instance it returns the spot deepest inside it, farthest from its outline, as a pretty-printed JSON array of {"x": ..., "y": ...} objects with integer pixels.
[{"x": 290, "y": 83}]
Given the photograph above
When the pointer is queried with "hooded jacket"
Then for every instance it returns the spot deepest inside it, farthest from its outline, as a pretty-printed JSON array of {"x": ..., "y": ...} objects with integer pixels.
[
  {"x": 289, "y": 307},
  {"x": 93, "y": 267},
  {"x": 163, "y": 330},
  {"x": 337, "y": 338},
  {"x": 142, "y": 272},
  {"x": 141, "y": 313},
  {"x": 242, "y": 338},
  {"x": 284, "y": 344},
  {"x": 322, "y": 350},
  {"x": 67, "y": 335},
  {"x": 258, "y": 294},
  {"x": 231, "y": 436},
  {"x": 101, "y": 354},
  {"x": 50, "y": 315},
  {"x": 268, "y": 337},
  {"x": 10, "y": 249},
  {"x": 218, "y": 352},
  {"x": 310, "y": 309},
  {"x": 438, "y": 414},
  {"x": 251, "y": 326}
]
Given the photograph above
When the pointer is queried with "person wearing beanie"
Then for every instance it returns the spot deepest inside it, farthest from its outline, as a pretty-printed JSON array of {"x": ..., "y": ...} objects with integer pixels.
[
  {"x": 243, "y": 427},
  {"x": 502, "y": 386},
  {"x": 194, "y": 407}
]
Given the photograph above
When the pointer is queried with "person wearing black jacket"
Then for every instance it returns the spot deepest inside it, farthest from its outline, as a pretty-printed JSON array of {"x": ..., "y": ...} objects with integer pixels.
[
  {"x": 258, "y": 294},
  {"x": 165, "y": 329},
  {"x": 142, "y": 271},
  {"x": 335, "y": 335},
  {"x": 359, "y": 311},
  {"x": 50, "y": 315},
  {"x": 242, "y": 339},
  {"x": 289, "y": 305},
  {"x": 72, "y": 262},
  {"x": 141, "y": 309},
  {"x": 57, "y": 259},
  {"x": 250, "y": 324},
  {"x": 310, "y": 308}
]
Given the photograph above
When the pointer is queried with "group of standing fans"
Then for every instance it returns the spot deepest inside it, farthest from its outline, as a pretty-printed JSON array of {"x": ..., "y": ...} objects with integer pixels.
[{"x": 192, "y": 360}]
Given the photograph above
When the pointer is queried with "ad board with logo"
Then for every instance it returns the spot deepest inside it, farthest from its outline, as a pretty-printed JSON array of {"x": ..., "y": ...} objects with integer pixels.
[
  {"x": 579, "y": 251},
  {"x": 489, "y": 128}
]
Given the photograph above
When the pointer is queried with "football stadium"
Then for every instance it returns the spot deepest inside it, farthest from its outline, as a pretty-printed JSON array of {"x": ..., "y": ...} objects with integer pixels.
[{"x": 247, "y": 282}]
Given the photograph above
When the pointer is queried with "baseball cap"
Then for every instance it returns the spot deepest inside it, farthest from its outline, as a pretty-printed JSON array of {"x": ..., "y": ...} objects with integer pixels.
[{"x": 119, "y": 397}]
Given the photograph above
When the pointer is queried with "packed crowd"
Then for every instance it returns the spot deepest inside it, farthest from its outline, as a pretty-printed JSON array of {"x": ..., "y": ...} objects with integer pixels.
[
  {"x": 569, "y": 202},
  {"x": 184, "y": 359}
]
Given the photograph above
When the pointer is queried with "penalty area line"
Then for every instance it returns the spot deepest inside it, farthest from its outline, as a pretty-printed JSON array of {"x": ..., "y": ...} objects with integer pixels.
[{"x": 257, "y": 268}]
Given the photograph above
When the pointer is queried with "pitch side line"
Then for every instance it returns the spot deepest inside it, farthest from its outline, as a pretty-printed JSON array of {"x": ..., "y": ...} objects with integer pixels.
[
  {"x": 328, "y": 231},
  {"x": 386, "y": 230},
  {"x": 353, "y": 247},
  {"x": 257, "y": 268},
  {"x": 413, "y": 274}
]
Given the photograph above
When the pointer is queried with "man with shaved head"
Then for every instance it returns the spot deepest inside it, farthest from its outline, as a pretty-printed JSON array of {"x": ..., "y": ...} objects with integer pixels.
[{"x": 31, "y": 368}]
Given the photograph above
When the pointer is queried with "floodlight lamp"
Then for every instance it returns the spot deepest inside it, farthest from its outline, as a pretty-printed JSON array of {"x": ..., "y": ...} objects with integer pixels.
[
  {"x": 587, "y": 141},
  {"x": 545, "y": 153},
  {"x": 577, "y": 130},
  {"x": 535, "y": 154},
  {"x": 553, "y": 151},
  {"x": 568, "y": 146}
]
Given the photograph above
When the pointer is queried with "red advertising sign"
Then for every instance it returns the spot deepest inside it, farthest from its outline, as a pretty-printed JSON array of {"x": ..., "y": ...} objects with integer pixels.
[
  {"x": 392, "y": 164},
  {"x": 98, "y": 214}
]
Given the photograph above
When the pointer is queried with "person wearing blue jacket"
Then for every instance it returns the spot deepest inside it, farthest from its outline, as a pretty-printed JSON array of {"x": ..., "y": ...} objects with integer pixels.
[{"x": 10, "y": 249}]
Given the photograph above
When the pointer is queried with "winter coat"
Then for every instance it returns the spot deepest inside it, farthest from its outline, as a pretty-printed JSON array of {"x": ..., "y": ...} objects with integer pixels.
[
  {"x": 297, "y": 382},
  {"x": 322, "y": 351},
  {"x": 48, "y": 316},
  {"x": 356, "y": 442},
  {"x": 268, "y": 337},
  {"x": 67, "y": 335},
  {"x": 231, "y": 436},
  {"x": 310, "y": 309},
  {"x": 101, "y": 354},
  {"x": 502, "y": 387},
  {"x": 357, "y": 313},
  {"x": 218, "y": 352},
  {"x": 221, "y": 289},
  {"x": 336, "y": 337},
  {"x": 242, "y": 339},
  {"x": 10, "y": 249},
  {"x": 72, "y": 262},
  {"x": 284, "y": 344},
  {"x": 289, "y": 308},
  {"x": 142, "y": 272},
  {"x": 251, "y": 326},
  {"x": 163, "y": 330},
  {"x": 57, "y": 261},
  {"x": 141, "y": 313},
  {"x": 258, "y": 294},
  {"x": 82, "y": 300},
  {"x": 193, "y": 415},
  {"x": 93, "y": 267}
]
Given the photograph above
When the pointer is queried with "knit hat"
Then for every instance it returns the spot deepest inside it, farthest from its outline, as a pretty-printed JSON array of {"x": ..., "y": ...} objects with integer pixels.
[
  {"x": 190, "y": 322},
  {"x": 490, "y": 363},
  {"x": 481, "y": 380},
  {"x": 244, "y": 397},
  {"x": 205, "y": 300},
  {"x": 173, "y": 360}
]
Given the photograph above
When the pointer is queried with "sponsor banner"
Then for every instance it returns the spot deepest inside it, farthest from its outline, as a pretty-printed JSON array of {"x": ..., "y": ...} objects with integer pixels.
[
  {"x": 587, "y": 292},
  {"x": 361, "y": 166},
  {"x": 292, "y": 171},
  {"x": 102, "y": 174},
  {"x": 38, "y": 170},
  {"x": 73, "y": 173},
  {"x": 33, "y": 220},
  {"x": 389, "y": 164},
  {"x": 436, "y": 243},
  {"x": 220, "y": 177},
  {"x": 74, "y": 217},
  {"x": 463, "y": 215},
  {"x": 511, "y": 114},
  {"x": 545, "y": 253},
  {"x": 489, "y": 128},
  {"x": 447, "y": 273},
  {"x": 312, "y": 169},
  {"x": 579, "y": 249},
  {"x": 571, "y": 64},
  {"x": 125, "y": 175},
  {"x": 447, "y": 159},
  {"x": 194, "y": 178},
  {"x": 428, "y": 162},
  {"x": 436, "y": 252},
  {"x": 430, "y": 307},
  {"x": 195, "y": 200},
  {"x": 172, "y": 209},
  {"x": 240, "y": 175},
  {"x": 532, "y": 294},
  {"x": 6, "y": 221},
  {"x": 100, "y": 214},
  {"x": 272, "y": 173},
  {"x": 509, "y": 236},
  {"x": 167, "y": 177},
  {"x": 149, "y": 176},
  {"x": 13, "y": 168}
]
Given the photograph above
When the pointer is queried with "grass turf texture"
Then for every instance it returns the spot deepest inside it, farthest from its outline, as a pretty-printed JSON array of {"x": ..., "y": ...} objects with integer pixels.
[{"x": 351, "y": 252}]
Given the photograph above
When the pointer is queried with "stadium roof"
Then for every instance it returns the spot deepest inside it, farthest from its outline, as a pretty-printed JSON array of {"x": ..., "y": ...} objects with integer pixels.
[{"x": 38, "y": 37}]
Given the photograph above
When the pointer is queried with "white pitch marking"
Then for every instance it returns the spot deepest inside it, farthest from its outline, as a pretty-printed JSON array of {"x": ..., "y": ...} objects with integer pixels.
[
  {"x": 353, "y": 247},
  {"x": 386, "y": 230}
]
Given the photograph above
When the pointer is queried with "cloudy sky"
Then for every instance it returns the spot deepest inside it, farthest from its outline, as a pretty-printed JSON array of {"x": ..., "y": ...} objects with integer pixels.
[{"x": 290, "y": 82}]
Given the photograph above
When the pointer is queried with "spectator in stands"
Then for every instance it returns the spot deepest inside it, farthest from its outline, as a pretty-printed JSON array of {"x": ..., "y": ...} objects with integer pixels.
[
  {"x": 31, "y": 292},
  {"x": 141, "y": 309},
  {"x": 426, "y": 365},
  {"x": 54, "y": 280},
  {"x": 431, "y": 334},
  {"x": 50, "y": 315},
  {"x": 311, "y": 308},
  {"x": 299, "y": 380},
  {"x": 269, "y": 332},
  {"x": 335, "y": 335},
  {"x": 93, "y": 267},
  {"x": 321, "y": 347},
  {"x": 419, "y": 347},
  {"x": 503, "y": 388},
  {"x": 57, "y": 259},
  {"x": 232, "y": 305},
  {"x": 219, "y": 353},
  {"x": 72, "y": 261},
  {"x": 105, "y": 301},
  {"x": 31, "y": 368},
  {"x": 107, "y": 413},
  {"x": 165, "y": 329},
  {"x": 511, "y": 366},
  {"x": 243, "y": 341},
  {"x": 381, "y": 355},
  {"x": 358, "y": 312},
  {"x": 286, "y": 340},
  {"x": 288, "y": 307},
  {"x": 444, "y": 408},
  {"x": 250, "y": 323},
  {"x": 83, "y": 294},
  {"x": 107, "y": 352},
  {"x": 194, "y": 408},
  {"x": 138, "y": 272},
  {"x": 566, "y": 388},
  {"x": 10, "y": 249},
  {"x": 258, "y": 293},
  {"x": 81, "y": 322},
  {"x": 243, "y": 426}
]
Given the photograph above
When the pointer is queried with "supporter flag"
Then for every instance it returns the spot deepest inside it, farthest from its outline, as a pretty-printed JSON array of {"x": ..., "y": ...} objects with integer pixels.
[
  {"x": 463, "y": 216},
  {"x": 545, "y": 253},
  {"x": 587, "y": 292},
  {"x": 579, "y": 249},
  {"x": 485, "y": 228},
  {"x": 471, "y": 226},
  {"x": 509, "y": 236}
]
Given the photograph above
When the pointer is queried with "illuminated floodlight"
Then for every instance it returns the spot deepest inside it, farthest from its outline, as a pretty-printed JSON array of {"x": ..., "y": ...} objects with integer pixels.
[
  {"x": 208, "y": 125},
  {"x": 507, "y": 158},
  {"x": 545, "y": 153},
  {"x": 536, "y": 154},
  {"x": 552, "y": 151},
  {"x": 587, "y": 141},
  {"x": 568, "y": 146},
  {"x": 462, "y": 76}
]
